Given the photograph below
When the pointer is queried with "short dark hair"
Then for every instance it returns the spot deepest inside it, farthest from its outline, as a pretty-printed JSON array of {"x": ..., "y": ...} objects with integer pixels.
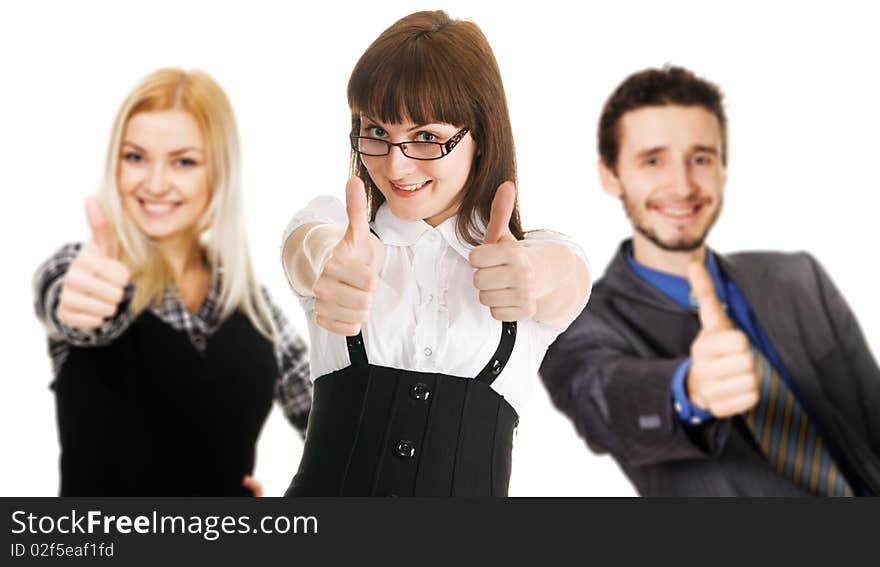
[{"x": 657, "y": 87}]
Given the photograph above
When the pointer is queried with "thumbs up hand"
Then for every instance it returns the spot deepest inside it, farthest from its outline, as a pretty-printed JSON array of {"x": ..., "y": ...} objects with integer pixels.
[
  {"x": 504, "y": 274},
  {"x": 95, "y": 282},
  {"x": 721, "y": 377},
  {"x": 344, "y": 289}
]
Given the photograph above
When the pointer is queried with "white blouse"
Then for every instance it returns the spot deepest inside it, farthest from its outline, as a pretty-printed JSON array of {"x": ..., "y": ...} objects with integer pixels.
[{"x": 426, "y": 315}]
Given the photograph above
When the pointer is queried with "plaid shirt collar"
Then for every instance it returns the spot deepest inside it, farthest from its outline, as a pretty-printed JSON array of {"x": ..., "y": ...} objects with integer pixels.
[{"x": 206, "y": 318}]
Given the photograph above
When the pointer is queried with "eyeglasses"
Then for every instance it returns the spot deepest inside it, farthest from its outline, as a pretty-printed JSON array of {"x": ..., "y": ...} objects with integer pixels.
[{"x": 375, "y": 147}]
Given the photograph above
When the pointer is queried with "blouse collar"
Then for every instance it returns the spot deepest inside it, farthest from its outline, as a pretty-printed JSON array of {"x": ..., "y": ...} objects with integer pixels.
[{"x": 395, "y": 231}]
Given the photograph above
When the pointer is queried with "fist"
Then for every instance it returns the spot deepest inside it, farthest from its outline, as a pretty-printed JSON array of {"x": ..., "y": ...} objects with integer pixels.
[
  {"x": 95, "y": 282},
  {"x": 722, "y": 376},
  {"x": 504, "y": 274},
  {"x": 344, "y": 290}
]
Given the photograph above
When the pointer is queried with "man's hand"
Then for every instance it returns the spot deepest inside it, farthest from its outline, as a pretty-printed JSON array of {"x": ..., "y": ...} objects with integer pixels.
[{"x": 721, "y": 378}]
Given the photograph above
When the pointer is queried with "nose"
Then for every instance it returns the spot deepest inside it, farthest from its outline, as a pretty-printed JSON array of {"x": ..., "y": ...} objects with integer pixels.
[
  {"x": 156, "y": 180},
  {"x": 681, "y": 181},
  {"x": 398, "y": 165}
]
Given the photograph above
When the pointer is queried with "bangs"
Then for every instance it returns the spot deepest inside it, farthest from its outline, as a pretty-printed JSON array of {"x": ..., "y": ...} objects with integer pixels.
[{"x": 412, "y": 80}]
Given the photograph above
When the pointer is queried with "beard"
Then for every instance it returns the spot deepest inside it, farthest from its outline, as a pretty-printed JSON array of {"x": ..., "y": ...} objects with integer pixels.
[{"x": 677, "y": 244}]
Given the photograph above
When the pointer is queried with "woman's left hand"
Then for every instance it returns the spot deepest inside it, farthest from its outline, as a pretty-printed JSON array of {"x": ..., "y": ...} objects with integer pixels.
[
  {"x": 505, "y": 275},
  {"x": 253, "y": 485}
]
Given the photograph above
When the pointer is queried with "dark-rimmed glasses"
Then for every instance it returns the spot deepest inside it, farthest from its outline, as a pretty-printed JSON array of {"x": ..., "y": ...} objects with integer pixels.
[{"x": 375, "y": 147}]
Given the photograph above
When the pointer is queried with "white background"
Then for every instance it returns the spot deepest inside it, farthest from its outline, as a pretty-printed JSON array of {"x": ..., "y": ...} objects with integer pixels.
[{"x": 801, "y": 84}]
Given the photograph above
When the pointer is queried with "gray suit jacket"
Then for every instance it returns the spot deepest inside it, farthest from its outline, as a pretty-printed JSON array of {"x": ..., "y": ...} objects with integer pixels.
[{"x": 611, "y": 373}]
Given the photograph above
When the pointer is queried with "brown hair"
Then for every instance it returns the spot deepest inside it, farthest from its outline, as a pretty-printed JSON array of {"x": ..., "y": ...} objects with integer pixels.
[
  {"x": 657, "y": 87},
  {"x": 428, "y": 67}
]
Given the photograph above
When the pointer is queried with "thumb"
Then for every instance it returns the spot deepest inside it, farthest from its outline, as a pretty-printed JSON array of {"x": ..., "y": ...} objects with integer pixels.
[
  {"x": 99, "y": 226},
  {"x": 498, "y": 229},
  {"x": 712, "y": 315},
  {"x": 358, "y": 232}
]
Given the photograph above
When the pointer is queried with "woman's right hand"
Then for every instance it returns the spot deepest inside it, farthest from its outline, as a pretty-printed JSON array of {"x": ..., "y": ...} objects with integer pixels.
[
  {"x": 344, "y": 290},
  {"x": 95, "y": 282}
]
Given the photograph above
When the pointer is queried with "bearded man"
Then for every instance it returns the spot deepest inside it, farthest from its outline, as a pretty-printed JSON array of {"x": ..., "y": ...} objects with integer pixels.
[{"x": 705, "y": 374}]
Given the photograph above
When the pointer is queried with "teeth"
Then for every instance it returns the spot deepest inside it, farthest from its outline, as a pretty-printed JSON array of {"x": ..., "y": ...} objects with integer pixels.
[
  {"x": 157, "y": 207},
  {"x": 678, "y": 212},
  {"x": 409, "y": 187}
]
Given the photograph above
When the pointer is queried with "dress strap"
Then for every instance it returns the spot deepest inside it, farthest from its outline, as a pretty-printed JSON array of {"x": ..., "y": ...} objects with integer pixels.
[
  {"x": 357, "y": 353},
  {"x": 502, "y": 354}
]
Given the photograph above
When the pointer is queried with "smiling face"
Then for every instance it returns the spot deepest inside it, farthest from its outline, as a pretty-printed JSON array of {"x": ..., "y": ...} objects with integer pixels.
[
  {"x": 417, "y": 189},
  {"x": 669, "y": 175},
  {"x": 163, "y": 175}
]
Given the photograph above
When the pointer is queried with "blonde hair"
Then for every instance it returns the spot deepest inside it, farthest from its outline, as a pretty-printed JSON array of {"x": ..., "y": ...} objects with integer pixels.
[{"x": 221, "y": 227}]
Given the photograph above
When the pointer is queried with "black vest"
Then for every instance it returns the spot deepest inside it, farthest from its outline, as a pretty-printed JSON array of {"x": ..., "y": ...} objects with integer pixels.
[
  {"x": 379, "y": 431},
  {"x": 149, "y": 415}
]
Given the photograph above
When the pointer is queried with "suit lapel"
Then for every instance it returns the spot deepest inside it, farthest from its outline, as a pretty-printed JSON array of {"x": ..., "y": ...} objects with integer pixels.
[{"x": 660, "y": 326}]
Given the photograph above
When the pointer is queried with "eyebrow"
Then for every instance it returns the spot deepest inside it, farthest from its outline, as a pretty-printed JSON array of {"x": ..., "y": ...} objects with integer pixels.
[
  {"x": 416, "y": 127},
  {"x": 172, "y": 153},
  {"x": 707, "y": 149},
  {"x": 650, "y": 151},
  {"x": 695, "y": 148}
]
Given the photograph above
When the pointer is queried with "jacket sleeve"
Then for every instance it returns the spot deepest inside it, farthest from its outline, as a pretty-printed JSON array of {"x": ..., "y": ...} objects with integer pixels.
[
  {"x": 619, "y": 402},
  {"x": 862, "y": 364}
]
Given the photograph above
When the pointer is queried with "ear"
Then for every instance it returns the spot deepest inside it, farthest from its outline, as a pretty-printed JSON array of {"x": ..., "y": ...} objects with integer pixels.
[{"x": 608, "y": 179}]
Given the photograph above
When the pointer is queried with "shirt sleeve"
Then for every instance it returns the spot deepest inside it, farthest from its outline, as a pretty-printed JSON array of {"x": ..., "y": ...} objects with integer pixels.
[
  {"x": 324, "y": 209},
  {"x": 48, "y": 282},
  {"x": 537, "y": 235},
  {"x": 293, "y": 389},
  {"x": 621, "y": 402},
  {"x": 320, "y": 209},
  {"x": 545, "y": 333},
  {"x": 688, "y": 412}
]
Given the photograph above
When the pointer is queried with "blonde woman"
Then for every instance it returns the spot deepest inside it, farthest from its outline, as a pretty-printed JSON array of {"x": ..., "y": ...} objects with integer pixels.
[{"x": 166, "y": 352}]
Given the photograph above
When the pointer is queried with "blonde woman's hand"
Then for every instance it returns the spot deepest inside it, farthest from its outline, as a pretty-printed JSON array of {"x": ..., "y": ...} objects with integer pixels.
[
  {"x": 254, "y": 485},
  {"x": 344, "y": 289},
  {"x": 504, "y": 274},
  {"x": 95, "y": 282}
]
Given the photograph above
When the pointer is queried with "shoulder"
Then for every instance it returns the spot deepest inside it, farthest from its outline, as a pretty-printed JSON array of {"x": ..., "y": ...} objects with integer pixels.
[
  {"x": 785, "y": 268},
  {"x": 274, "y": 310},
  {"x": 767, "y": 258}
]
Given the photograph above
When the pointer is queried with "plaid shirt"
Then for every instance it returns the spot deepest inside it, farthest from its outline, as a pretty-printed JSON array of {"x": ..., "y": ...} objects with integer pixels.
[{"x": 293, "y": 388}]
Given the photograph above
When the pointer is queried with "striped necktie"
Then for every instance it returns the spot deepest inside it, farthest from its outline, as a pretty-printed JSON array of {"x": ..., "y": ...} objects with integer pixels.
[{"x": 788, "y": 439}]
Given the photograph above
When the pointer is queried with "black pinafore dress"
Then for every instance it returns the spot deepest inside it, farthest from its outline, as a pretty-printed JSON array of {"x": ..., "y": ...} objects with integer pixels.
[
  {"x": 149, "y": 415},
  {"x": 380, "y": 431}
]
